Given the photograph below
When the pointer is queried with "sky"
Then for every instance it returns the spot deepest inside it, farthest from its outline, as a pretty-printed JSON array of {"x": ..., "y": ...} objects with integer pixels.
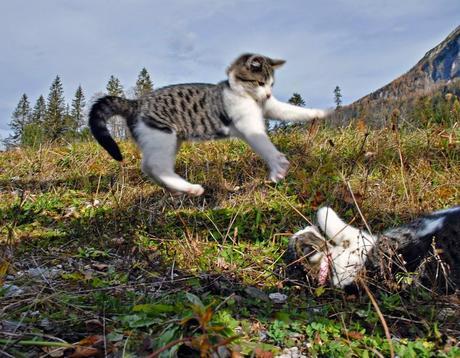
[{"x": 359, "y": 45}]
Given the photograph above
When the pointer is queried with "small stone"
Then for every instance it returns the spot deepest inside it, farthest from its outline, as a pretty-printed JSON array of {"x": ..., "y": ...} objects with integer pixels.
[
  {"x": 118, "y": 241},
  {"x": 12, "y": 290},
  {"x": 263, "y": 336},
  {"x": 45, "y": 324},
  {"x": 39, "y": 272},
  {"x": 256, "y": 293},
  {"x": 277, "y": 297},
  {"x": 291, "y": 353},
  {"x": 11, "y": 326}
]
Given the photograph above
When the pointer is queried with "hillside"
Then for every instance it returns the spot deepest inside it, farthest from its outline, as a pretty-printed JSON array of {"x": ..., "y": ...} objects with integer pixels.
[
  {"x": 92, "y": 252},
  {"x": 439, "y": 66},
  {"x": 436, "y": 74}
]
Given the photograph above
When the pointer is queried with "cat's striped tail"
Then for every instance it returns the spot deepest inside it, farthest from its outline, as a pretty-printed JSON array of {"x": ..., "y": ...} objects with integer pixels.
[{"x": 101, "y": 111}]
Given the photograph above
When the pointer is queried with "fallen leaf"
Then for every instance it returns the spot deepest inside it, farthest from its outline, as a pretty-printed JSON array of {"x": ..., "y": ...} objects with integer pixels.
[
  {"x": 236, "y": 355},
  {"x": 260, "y": 353},
  {"x": 318, "y": 200},
  {"x": 346, "y": 196},
  {"x": 100, "y": 266},
  {"x": 88, "y": 341},
  {"x": 3, "y": 269},
  {"x": 355, "y": 335},
  {"x": 82, "y": 352}
]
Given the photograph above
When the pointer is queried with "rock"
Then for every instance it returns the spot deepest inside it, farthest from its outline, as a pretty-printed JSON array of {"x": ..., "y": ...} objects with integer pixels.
[
  {"x": 12, "y": 290},
  {"x": 263, "y": 336},
  {"x": 42, "y": 273},
  {"x": 46, "y": 324},
  {"x": 256, "y": 293},
  {"x": 293, "y": 352},
  {"x": 11, "y": 326},
  {"x": 277, "y": 297}
]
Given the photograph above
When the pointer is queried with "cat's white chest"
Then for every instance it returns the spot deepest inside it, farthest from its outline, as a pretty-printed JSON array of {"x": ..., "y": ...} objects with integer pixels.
[{"x": 241, "y": 107}]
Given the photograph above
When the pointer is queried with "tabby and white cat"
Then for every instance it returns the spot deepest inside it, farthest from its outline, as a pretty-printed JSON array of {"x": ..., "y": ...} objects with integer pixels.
[
  {"x": 429, "y": 246},
  {"x": 237, "y": 107}
]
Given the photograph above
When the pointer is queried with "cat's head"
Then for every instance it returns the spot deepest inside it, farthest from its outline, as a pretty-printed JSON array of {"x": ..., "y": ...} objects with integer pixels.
[
  {"x": 254, "y": 75},
  {"x": 337, "y": 256},
  {"x": 309, "y": 248}
]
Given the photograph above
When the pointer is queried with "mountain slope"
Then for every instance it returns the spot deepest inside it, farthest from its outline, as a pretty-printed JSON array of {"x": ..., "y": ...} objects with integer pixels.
[
  {"x": 436, "y": 74},
  {"x": 440, "y": 64}
]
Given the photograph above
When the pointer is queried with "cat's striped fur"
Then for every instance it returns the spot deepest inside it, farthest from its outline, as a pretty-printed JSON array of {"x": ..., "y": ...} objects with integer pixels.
[{"x": 237, "y": 107}]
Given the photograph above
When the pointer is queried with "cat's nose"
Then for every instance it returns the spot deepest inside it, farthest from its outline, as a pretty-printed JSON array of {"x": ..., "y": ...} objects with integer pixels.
[{"x": 269, "y": 95}]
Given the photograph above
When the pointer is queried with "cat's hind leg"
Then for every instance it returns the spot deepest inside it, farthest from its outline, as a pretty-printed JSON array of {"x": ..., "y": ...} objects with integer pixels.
[{"x": 159, "y": 149}]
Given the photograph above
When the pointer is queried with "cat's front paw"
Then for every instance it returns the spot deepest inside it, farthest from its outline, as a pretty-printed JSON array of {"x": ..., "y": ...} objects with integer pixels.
[
  {"x": 195, "y": 190},
  {"x": 279, "y": 168}
]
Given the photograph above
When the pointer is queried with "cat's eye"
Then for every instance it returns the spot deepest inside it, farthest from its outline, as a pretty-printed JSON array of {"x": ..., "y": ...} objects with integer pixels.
[{"x": 260, "y": 83}]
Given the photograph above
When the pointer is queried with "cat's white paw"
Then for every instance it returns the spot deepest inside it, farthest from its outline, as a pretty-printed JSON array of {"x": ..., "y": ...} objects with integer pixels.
[
  {"x": 279, "y": 168},
  {"x": 195, "y": 190}
]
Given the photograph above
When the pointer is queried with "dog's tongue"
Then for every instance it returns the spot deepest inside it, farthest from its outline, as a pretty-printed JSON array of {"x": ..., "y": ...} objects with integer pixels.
[{"x": 323, "y": 270}]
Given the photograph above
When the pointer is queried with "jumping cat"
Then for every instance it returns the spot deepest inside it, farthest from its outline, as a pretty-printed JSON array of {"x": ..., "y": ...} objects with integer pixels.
[
  {"x": 237, "y": 107},
  {"x": 428, "y": 248}
]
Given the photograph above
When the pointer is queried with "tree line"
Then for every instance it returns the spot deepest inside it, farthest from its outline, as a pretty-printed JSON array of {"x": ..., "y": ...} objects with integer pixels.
[{"x": 53, "y": 119}]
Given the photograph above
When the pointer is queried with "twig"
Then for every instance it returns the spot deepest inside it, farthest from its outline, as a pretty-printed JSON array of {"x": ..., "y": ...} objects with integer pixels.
[
  {"x": 401, "y": 160},
  {"x": 294, "y": 208},
  {"x": 3, "y": 353},
  {"x": 223, "y": 302},
  {"x": 356, "y": 204},
  {"x": 379, "y": 313}
]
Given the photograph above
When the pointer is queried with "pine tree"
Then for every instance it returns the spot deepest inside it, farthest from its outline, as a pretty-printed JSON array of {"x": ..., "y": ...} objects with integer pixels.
[
  {"x": 337, "y": 97},
  {"x": 297, "y": 100},
  {"x": 55, "y": 111},
  {"x": 144, "y": 84},
  {"x": 116, "y": 123},
  {"x": 77, "y": 112},
  {"x": 39, "y": 111},
  {"x": 19, "y": 119},
  {"x": 70, "y": 126},
  {"x": 114, "y": 87}
]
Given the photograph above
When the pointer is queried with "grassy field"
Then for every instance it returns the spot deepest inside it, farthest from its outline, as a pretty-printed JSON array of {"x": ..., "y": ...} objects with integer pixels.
[{"x": 95, "y": 254}]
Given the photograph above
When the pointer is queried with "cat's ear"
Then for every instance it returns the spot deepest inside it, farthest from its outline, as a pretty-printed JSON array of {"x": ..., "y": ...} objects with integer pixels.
[
  {"x": 276, "y": 63},
  {"x": 254, "y": 63}
]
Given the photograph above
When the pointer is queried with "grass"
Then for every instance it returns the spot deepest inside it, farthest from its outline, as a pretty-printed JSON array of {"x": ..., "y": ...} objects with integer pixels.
[{"x": 106, "y": 259}]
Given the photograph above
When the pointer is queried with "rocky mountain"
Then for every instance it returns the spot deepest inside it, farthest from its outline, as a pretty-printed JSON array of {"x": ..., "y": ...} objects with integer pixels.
[
  {"x": 438, "y": 72},
  {"x": 439, "y": 65}
]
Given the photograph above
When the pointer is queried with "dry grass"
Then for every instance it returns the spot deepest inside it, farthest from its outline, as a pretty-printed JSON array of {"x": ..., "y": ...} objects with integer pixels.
[{"x": 73, "y": 206}]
